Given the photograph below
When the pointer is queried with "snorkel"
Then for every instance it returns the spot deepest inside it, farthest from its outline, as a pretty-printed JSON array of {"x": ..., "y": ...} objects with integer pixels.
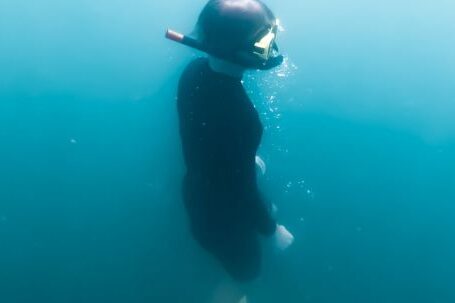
[
  {"x": 262, "y": 54},
  {"x": 185, "y": 40}
]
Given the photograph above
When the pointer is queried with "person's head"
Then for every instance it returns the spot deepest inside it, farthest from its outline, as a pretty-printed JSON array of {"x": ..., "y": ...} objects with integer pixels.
[{"x": 240, "y": 31}]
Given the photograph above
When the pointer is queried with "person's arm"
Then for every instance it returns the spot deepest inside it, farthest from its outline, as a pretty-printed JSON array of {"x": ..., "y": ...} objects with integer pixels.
[{"x": 236, "y": 159}]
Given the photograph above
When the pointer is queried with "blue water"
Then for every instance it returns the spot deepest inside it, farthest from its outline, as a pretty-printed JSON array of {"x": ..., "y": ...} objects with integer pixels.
[{"x": 359, "y": 146}]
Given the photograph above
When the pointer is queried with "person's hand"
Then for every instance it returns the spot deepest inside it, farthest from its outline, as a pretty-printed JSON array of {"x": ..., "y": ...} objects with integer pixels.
[{"x": 283, "y": 238}]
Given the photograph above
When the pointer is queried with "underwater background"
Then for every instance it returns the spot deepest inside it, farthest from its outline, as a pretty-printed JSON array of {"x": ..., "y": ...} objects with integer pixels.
[{"x": 359, "y": 146}]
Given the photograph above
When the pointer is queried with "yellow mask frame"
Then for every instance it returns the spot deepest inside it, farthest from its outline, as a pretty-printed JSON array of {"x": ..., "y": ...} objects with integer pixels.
[{"x": 265, "y": 45}]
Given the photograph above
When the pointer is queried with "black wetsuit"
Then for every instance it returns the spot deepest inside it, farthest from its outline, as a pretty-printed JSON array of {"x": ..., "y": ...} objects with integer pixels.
[{"x": 221, "y": 131}]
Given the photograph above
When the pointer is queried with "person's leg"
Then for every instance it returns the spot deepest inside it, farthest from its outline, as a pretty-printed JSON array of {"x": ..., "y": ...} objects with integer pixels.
[
  {"x": 240, "y": 255},
  {"x": 228, "y": 291}
]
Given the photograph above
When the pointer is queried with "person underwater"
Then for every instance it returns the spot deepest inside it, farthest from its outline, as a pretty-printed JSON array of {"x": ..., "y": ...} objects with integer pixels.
[{"x": 221, "y": 131}]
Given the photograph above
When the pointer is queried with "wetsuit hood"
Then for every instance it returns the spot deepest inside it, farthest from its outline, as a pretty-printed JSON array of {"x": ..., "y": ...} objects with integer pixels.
[{"x": 240, "y": 31}]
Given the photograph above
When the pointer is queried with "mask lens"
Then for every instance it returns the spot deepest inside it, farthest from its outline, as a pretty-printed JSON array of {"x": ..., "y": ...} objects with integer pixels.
[{"x": 265, "y": 45}]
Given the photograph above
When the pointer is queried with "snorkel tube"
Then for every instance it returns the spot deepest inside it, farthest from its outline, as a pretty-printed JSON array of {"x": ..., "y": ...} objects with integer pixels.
[
  {"x": 185, "y": 40},
  {"x": 247, "y": 59}
]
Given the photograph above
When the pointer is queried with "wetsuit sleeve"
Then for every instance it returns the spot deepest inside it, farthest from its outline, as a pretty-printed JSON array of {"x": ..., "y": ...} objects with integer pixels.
[
  {"x": 196, "y": 129},
  {"x": 208, "y": 135},
  {"x": 231, "y": 157}
]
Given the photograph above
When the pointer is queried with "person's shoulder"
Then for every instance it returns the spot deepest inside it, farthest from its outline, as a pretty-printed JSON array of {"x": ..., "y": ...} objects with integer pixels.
[
  {"x": 193, "y": 76},
  {"x": 196, "y": 67},
  {"x": 191, "y": 80}
]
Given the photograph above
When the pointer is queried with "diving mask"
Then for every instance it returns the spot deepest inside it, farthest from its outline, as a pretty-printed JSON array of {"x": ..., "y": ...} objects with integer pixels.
[
  {"x": 266, "y": 44},
  {"x": 261, "y": 54}
]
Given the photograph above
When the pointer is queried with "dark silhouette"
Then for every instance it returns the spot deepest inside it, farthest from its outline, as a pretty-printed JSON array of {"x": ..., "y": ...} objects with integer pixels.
[{"x": 221, "y": 131}]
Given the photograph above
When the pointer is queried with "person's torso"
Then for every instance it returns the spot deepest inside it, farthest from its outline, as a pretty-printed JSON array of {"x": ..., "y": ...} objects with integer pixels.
[{"x": 220, "y": 104}]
